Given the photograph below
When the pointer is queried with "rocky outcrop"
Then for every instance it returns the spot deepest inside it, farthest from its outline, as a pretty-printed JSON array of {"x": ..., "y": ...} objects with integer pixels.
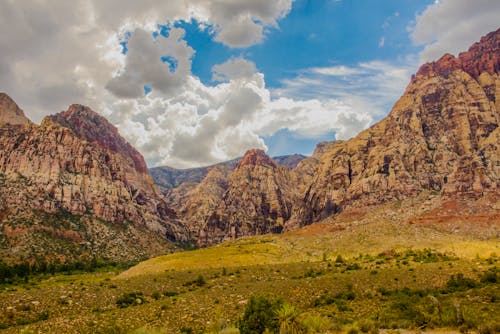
[
  {"x": 442, "y": 135},
  {"x": 76, "y": 162},
  {"x": 255, "y": 198},
  {"x": 10, "y": 113}
]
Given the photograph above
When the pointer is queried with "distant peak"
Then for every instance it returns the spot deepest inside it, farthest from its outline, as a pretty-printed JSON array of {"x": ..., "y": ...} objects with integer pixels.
[
  {"x": 10, "y": 113},
  {"x": 90, "y": 126},
  {"x": 256, "y": 157}
]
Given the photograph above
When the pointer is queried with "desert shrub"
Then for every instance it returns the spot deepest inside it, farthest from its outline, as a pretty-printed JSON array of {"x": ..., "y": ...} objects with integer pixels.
[
  {"x": 489, "y": 328},
  {"x": 130, "y": 299},
  {"x": 199, "y": 281},
  {"x": 353, "y": 266},
  {"x": 365, "y": 326},
  {"x": 460, "y": 283},
  {"x": 339, "y": 259},
  {"x": 287, "y": 316},
  {"x": 259, "y": 315},
  {"x": 316, "y": 324},
  {"x": 170, "y": 293},
  {"x": 324, "y": 299},
  {"x": 156, "y": 295},
  {"x": 44, "y": 315},
  {"x": 490, "y": 276}
]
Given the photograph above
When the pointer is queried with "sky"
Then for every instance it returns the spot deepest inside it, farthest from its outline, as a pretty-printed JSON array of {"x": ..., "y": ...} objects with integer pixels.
[{"x": 194, "y": 82}]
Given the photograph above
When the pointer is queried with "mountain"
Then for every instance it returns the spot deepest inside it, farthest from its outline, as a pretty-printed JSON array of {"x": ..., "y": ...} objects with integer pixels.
[
  {"x": 72, "y": 187},
  {"x": 255, "y": 198},
  {"x": 10, "y": 113},
  {"x": 168, "y": 178},
  {"x": 442, "y": 135}
]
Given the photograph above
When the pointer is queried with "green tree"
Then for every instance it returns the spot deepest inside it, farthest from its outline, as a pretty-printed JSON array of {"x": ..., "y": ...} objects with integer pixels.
[{"x": 260, "y": 315}]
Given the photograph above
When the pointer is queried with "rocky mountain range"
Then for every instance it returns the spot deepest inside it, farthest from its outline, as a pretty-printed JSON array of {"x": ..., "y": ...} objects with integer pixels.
[
  {"x": 441, "y": 136},
  {"x": 167, "y": 178},
  {"x": 73, "y": 187}
]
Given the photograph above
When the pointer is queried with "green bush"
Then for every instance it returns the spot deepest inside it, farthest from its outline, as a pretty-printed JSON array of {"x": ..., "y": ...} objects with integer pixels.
[
  {"x": 130, "y": 299},
  {"x": 490, "y": 276},
  {"x": 199, "y": 281},
  {"x": 460, "y": 283},
  {"x": 259, "y": 315}
]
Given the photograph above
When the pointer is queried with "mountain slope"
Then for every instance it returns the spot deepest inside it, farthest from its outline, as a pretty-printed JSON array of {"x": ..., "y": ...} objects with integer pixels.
[
  {"x": 75, "y": 164},
  {"x": 255, "y": 198},
  {"x": 442, "y": 135}
]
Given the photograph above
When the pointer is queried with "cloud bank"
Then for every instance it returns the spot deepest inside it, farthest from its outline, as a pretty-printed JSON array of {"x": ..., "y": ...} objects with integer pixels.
[{"x": 54, "y": 53}]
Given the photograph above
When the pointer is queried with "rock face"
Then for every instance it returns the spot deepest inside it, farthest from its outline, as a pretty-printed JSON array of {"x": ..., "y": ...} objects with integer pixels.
[
  {"x": 255, "y": 198},
  {"x": 76, "y": 162},
  {"x": 442, "y": 135},
  {"x": 10, "y": 113}
]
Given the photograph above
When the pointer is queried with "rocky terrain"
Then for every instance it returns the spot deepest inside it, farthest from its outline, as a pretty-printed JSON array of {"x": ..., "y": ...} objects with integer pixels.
[{"x": 76, "y": 165}]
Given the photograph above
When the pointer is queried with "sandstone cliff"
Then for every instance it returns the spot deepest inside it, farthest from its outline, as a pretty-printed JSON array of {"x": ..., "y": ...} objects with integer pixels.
[
  {"x": 442, "y": 135},
  {"x": 75, "y": 162},
  {"x": 255, "y": 198},
  {"x": 10, "y": 113}
]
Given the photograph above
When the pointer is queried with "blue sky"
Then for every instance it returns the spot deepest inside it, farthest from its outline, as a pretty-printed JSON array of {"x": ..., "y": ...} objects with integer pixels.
[
  {"x": 316, "y": 33},
  {"x": 277, "y": 75}
]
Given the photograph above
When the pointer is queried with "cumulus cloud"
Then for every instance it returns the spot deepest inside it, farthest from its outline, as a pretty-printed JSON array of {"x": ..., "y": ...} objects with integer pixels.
[
  {"x": 451, "y": 26},
  {"x": 234, "y": 68},
  {"x": 55, "y": 53},
  {"x": 206, "y": 124},
  {"x": 160, "y": 63}
]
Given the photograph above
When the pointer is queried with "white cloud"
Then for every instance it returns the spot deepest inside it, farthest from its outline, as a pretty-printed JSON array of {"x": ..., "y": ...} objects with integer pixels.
[
  {"x": 54, "y": 53},
  {"x": 381, "y": 42},
  {"x": 336, "y": 70},
  {"x": 451, "y": 26},
  {"x": 57, "y": 52},
  {"x": 369, "y": 89},
  {"x": 143, "y": 64},
  {"x": 234, "y": 68}
]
